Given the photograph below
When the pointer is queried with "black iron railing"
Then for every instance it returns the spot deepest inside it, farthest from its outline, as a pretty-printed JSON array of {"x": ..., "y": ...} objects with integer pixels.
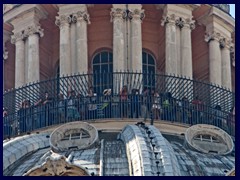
[{"x": 176, "y": 99}]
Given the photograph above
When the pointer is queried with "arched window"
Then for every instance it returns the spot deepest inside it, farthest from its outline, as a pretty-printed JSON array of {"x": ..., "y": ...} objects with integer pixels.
[
  {"x": 102, "y": 70},
  {"x": 148, "y": 68}
]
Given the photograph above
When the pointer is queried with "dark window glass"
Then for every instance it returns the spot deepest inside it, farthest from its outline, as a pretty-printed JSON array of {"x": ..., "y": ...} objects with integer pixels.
[
  {"x": 148, "y": 68},
  {"x": 103, "y": 69}
]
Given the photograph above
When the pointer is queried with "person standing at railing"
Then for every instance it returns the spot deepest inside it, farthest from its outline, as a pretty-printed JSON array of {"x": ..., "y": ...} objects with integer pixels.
[
  {"x": 92, "y": 106},
  {"x": 197, "y": 108},
  {"x": 61, "y": 108},
  {"x": 107, "y": 104},
  {"x": 169, "y": 107},
  {"x": 48, "y": 106},
  {"x": 231, "y": 121},
  {"x": 124, "y": 101},
  {"x": 81, "y": 106},
  {"x": 218, "y": 116},
  {"x": 72, "y": 113},
  {"x": 6, "y": 124},
  {"x": 29, "y": 115},
  {"x": 156, "y": 107},
  {"x": 135, "y": 103},
  {"x": 185, "y": 110},
  {"x": 145, "y": 101}
]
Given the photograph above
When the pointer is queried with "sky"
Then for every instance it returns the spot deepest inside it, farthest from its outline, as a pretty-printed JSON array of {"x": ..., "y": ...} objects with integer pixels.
[{"x": 232, "y": 10}]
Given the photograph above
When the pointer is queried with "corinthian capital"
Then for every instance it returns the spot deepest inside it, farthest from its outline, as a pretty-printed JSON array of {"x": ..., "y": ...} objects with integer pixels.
[
  {"x": 225, "y": 43},
  {"x": 34, "y": 29},
  {"x": 136, "y": 14},
  {"x": 117, "y": 13},
  {"x": 81, "y": 16},
  {"x": 212, "y": 36},
  {"x": 171, "y": 19},
  {"x": 63, "y": 20},
  {"x": 5, "y": 55},
  {"x": 17, "y": 37}
]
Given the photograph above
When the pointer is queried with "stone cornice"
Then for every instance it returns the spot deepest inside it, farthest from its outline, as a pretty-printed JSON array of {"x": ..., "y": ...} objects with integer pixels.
[
  {"x": 24, "y": 9},
  {"x": 118, "y": 13}
]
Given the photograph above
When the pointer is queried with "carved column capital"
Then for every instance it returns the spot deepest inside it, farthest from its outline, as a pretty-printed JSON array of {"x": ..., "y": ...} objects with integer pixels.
[
  {"x": 136, "y": 14},
  {"x": 17, "y": 37},
  {"x": 81, "y": 16},
  {"x": 117, "y": 13},
  {"x": 5, "y": 55},
  {"x": 63, "y": 20},
  {"x": 169, "y": 19},
  {"x": 185, "y": 22},
  {"x": 225, "y": 43},
  {"x": 34, "y": 29},
  {"x": 209, "y": 36}
]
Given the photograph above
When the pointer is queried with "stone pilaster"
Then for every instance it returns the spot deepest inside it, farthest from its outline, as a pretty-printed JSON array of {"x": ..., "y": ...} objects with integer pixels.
[
  {"x": 17, "y": 39},
  {"x": 33, "y": 33},
  {"x": 215, "y": 64},
  {"x": 118, "y": 17},
  {"x": 81, "y": 18},
  {"x": 63, "y": 22},
  {"x": 225, "y": 45},
  {"x": 136, "y": 16},
  {"x": 171, "y": 43},
  {"x": 187, "y": 25}
]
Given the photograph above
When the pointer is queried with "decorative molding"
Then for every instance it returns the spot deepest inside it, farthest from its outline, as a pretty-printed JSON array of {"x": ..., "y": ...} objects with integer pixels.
[
  {"x": 117, "y": 13},
  {"x": 136, "y": 14}
]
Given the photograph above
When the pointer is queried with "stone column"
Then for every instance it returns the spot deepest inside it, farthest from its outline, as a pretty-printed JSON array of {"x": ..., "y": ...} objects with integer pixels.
[
  {"x": 186, "y": 48},
  {"x": 118, "y": 18},
  {"x": 6, "y": 37},
  {"x": 215, "y": 64},
  {"x": 17, "y": 39},
  {"x": 73, "y": 48},
  {"x": 33, "y": 32},
  {"x": 65, "y": 59},
  {"x": 171, "y": 44},
  {"x": 82, "y": 19},
  {"x": 136, "y": 16},
  {"x": 225, "y": 45}
]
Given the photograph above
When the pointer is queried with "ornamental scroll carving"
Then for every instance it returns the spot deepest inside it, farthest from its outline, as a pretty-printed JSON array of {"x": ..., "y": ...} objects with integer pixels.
[
  {"x": 23, "y": 34},
  {"x": 117, "y": 13},
  {"x": 63, "y": 20},
  {"x": 136, "y": 14},
  {"x": 178, "y": 21},
  {"x": 81, "y": 16}
]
